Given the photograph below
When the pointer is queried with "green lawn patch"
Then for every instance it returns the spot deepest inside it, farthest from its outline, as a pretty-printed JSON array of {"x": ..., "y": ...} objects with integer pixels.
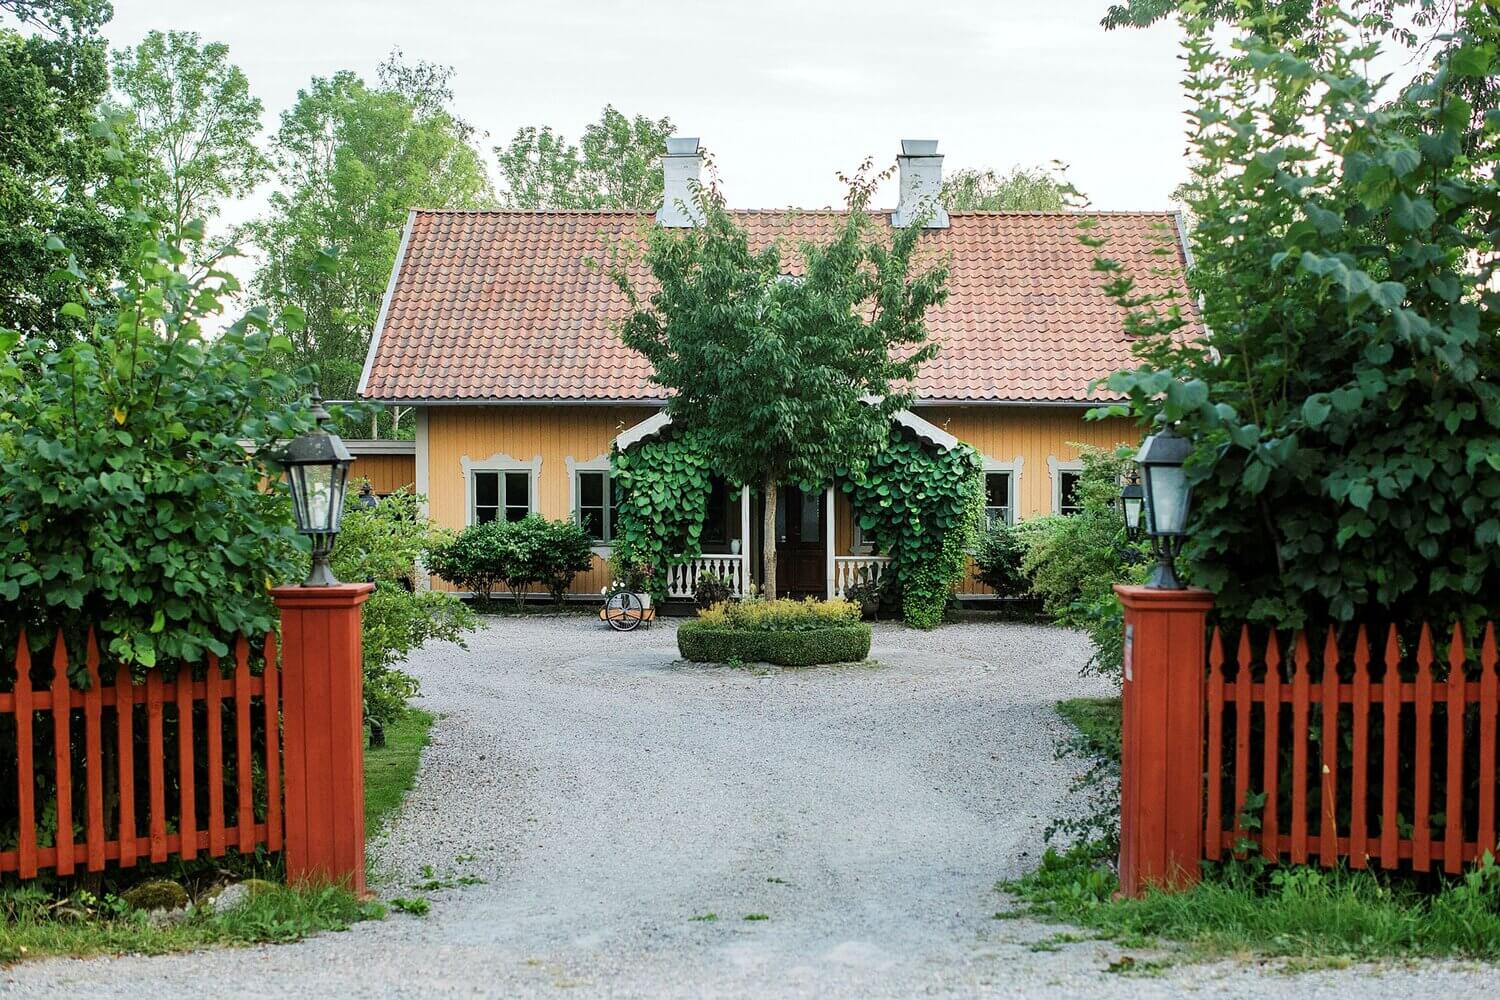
[
  {"x": 35, "y": 924},
  {"x": 1098, "y": 721},
  {"x": 391, "y": 770}
]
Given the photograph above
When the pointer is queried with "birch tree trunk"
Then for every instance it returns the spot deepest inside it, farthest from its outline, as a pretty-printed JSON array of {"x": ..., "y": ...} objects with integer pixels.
[{"x": 768, "y": 539}]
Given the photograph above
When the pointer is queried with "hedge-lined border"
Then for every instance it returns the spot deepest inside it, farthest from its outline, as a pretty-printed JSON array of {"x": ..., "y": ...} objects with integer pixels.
[{"x": 703, "y": 643}]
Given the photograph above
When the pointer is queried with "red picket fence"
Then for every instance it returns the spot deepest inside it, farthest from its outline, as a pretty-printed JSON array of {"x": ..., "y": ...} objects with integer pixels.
[
  {"x": 1408, "y": 777},
  {"x": 125, "y": 816}
]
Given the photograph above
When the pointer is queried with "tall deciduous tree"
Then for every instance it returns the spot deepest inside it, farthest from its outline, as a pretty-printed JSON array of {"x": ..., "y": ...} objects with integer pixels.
[
  {"x": 1345, "y": 403},
  {"x": 784, "y": 380},
  {"x": 194, "y": 120},
  {"x": 55, "y": 166},
  {"x": 1022, "y": 189},
  {"x": 616, "y": 164},
  {"x": 352, "y": 160}
]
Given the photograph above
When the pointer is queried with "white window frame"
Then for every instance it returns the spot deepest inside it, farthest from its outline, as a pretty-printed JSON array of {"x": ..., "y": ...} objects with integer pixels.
[
  {"x": 500, "y": 464},
  {"x": 1013, "y": 469},
  {"x": 599, "y": 463},
  {"x": 1055, "y": 468}
]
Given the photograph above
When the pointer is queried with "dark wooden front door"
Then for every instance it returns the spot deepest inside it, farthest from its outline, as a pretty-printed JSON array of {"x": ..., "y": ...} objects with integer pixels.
[{"x": 800, "y": 546}]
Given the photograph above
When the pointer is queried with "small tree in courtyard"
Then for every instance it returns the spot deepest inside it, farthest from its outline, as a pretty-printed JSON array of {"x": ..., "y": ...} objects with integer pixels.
[{"x": 784, "y": 379}]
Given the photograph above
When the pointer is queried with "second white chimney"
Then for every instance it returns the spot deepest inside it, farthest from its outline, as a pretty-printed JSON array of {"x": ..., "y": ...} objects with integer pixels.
[
  {"x": 921, "y": 168},
  {"x": 680, "y": 169}
]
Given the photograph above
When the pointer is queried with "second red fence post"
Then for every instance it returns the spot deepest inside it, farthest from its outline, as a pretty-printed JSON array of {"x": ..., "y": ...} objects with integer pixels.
[
  {"x": 323, "y": 732},
  {"x": 1161, "y": 767}
]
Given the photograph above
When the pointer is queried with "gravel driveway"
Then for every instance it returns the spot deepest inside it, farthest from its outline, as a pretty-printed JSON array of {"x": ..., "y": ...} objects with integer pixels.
[{"x": 612, "y": 799}]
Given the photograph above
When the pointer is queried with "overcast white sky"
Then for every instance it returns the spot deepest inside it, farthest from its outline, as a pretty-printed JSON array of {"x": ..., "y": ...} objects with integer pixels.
[{"x": 783, "y": 93}]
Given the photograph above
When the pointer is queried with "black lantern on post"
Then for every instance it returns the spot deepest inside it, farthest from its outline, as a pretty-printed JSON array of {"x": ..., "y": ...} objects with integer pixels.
[
  {"x": 317, "y": 470},
  {"x": 1168, "y": 495},
  {"x": 1132, "y": 506}
]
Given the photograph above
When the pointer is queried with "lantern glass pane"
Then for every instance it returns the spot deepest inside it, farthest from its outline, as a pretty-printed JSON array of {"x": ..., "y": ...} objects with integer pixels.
[
  {"x": 1133, "y": 512},
  {"x": 317, "y": 491},
  {"x": 340, "y": 485},
  {"x": 1167, "y": 489}
]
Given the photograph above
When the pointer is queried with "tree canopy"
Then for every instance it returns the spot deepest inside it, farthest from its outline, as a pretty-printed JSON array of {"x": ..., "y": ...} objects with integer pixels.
[
  {"x": 56, "y": 160},
  {"x": 351, "y": 161},
  {"x": 1022, "y": 189},
  {"x": 1345, "y": 402},
  {"x": 616, "y": 164},
  {"x": 195, "y": 122},
  {"x": 784, "y": 378}
]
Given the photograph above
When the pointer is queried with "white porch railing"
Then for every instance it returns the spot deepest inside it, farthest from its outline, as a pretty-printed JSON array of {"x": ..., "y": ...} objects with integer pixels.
[
  {"x": 849, "y": 570},
  {"x": 682, "y": 580}
]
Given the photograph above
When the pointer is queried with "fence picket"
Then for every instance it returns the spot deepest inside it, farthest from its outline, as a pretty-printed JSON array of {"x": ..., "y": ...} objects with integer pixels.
[
  {"x": 1214, "y": 812},
  {"x": 62, "y": 755},
  {"x": 187, "y": 799},
  {"x": 25, "y": 772},
  {"x": 1271, "y": 818},
  {"x": 93, "y": 709},
  {"x": 125, "y": 747},
  {"x": 271, "y": 689},
  {"x": 156, "y": 767},
  {"x": 1390, "y": 698},
  {"x": 245, "y": 810},
  {"x": 1453, "y": 813},
  {"x": 1421, "y": 850},
  {"x": 1300, "y": 700},
  {"x": 1359, "y": 788},
  {"x": 1489, "y": 698},
  {"x": 1242, "y": 732},
  {"x": 214, "y": 724},
  {"x": 1328, "y": 822}
]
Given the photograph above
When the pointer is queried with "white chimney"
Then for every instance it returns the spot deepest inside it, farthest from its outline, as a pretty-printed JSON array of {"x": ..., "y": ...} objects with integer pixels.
[
  {"x": 921, "y": 186},
  {"x": 680, "y": 169}
]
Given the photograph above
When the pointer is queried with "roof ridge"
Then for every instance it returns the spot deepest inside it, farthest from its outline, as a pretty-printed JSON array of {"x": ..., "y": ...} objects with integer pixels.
[{"x": 790, "y": 210}]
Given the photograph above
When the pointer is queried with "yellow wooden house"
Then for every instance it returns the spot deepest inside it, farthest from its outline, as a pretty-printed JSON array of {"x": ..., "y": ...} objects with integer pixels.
[{"x": 499, "y": 328}]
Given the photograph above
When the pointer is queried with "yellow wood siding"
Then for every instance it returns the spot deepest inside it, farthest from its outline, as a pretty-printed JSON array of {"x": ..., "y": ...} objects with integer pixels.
[
  {"x": 386, "y": 473},
  {"x": 553, "y": 434}
]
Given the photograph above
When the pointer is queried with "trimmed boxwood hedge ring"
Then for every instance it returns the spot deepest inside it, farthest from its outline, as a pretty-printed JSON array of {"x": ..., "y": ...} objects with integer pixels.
[{"x": 704, "y": 643}]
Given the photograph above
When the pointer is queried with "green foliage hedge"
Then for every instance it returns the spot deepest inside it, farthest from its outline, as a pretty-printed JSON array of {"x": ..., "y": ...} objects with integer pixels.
[
  {"x": 515, "y": 553},
  {"x": 920, "y": 505},
  {"x": 662, "y": 501},
  {"x": 705, "y": 642}
]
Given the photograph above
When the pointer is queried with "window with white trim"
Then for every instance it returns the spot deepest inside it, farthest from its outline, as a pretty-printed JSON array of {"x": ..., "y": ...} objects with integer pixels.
[
  {"x": 1067, "y": 490},
  {"x": 500, "y": 494},
  {"x": 596, "y": 496},
  {"x": 997, "y": 499}
]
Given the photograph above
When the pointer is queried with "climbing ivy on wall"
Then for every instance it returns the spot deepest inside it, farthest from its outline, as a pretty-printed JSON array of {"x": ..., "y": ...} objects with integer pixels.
[
  {"x": 662, "y": 499},
  {"x": 920, "y": 505}
]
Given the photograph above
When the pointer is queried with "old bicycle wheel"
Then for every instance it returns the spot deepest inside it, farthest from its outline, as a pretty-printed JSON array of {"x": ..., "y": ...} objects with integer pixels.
[{"x": 624, "y": 611}]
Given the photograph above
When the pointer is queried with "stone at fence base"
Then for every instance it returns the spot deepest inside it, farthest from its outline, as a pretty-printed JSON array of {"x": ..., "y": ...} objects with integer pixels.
[
  {"x": 236, "y": 895},
  {"x": 156, "y": 895}
]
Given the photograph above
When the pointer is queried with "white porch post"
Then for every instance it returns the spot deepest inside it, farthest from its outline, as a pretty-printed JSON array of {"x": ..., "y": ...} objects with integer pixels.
[
  {"x": 744, "y": 539},
  {"x": 828, "y": 533}
]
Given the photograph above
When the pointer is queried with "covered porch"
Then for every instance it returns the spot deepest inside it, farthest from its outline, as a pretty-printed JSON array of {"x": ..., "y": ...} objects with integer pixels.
[{"x": 819, "y": 549}]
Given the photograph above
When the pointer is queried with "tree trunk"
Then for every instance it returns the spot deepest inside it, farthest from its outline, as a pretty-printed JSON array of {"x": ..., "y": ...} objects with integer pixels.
[{"x": 768, "y": 539}]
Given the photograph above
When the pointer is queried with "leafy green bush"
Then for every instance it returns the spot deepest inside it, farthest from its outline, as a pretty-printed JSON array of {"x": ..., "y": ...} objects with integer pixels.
[
  {"x": 997, "y": 560},
  {"x": 514, "y": 553},
  {"x": 782, "y": 615},
  {"x": 921, "y": 505},
  {"x": 473, "y": 560},
  {"x": 1074, "y": 561},
  {"x": 662, "y": 485},
  {"x": 1344, "y": 405},
  {"x": 707, "y": 642},
  {"x": 129, "y": 500},
  {"x": 712, "y": 589},
  {"x": 565, "y": 552}
]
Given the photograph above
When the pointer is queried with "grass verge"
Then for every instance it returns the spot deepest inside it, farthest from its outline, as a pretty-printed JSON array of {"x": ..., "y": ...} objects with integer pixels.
[
  {"x": 1312, "y": 917},
  {"x": 34, "y": 924},
  {"x": 391, "y": 770}
]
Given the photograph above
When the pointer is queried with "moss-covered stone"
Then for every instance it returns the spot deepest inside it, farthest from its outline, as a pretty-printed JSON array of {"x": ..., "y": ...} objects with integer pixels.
[{"x": 156, "y": 894}]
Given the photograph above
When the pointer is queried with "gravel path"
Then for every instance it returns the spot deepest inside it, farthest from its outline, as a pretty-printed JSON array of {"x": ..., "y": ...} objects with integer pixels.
[{"x": 608, "y": 795}]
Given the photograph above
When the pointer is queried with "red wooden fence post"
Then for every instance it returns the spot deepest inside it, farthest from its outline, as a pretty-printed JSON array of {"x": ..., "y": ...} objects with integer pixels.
[
  {"x": 323, "y": 725},
  {"x": 1161, "y": 769}
]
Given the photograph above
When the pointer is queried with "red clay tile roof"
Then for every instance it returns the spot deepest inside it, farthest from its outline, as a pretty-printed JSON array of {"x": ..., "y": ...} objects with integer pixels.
[{"x": 506, "y": 305}]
